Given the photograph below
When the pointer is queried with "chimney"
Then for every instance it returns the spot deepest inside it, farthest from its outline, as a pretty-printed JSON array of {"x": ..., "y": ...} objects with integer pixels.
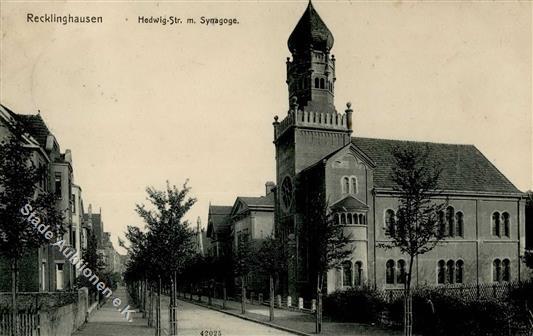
[{"x": 269, "y": 187}]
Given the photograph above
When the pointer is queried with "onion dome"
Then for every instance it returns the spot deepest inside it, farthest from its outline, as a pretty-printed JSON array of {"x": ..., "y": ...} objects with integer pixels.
[{"x": 310, "y": 31}]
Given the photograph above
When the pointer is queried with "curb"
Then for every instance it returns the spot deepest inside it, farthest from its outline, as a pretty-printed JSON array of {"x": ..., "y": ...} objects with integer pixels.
[{"x": 247, "y": 318}]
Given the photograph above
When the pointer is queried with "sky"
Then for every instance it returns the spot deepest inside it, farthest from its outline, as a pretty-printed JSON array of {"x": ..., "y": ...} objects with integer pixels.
[{"x": 139, "y": 104}]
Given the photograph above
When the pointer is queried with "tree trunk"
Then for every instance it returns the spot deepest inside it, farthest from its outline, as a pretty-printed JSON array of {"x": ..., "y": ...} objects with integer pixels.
[
  {"x": 151, "y": 307},
  {"x": 224, "y": 296},
  {"x": 173, "y": 316},
  {"x": 408, "y": 302},
  {"x": 318, "y": 327},
  {"x": 158, "y": 309},
  {"x": 209, "y": 293},
  {"x": 14, "y": 288},
  {"x": 271, "y": 304},
  {"x": 243, "y": 296}
]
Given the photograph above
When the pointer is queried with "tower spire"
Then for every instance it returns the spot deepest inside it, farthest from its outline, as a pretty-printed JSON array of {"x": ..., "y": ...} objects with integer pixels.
[{"x": 311, "y": 72}]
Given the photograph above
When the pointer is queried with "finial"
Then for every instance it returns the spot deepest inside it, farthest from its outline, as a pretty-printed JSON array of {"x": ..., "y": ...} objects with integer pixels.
[
  {"x": 349, "y": 115},
  {"x": 294, "y": 103},
  {"x": 276, "y": 118},
  {"x": 349, "y": 107},
  {"x": 39, "y": 111}
]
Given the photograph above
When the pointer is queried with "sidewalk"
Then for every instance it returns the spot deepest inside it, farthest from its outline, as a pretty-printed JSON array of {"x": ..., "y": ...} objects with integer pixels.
[
  {"x": 302, "y": 323},
  {"x": 107, "y": 321}
]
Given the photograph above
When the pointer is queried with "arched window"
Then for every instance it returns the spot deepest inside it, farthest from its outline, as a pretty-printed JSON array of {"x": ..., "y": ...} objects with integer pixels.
[
  {"x": 441, "y": 272},
  {"x": 401, "y": 271},
  {"x": 506, "y": 274},
  {"x": 450, "y": 269},
  {"x": 497, "y": 270},
  {"x": 459, "y": 225},
  {"x": 389, "y": 221},
  {"x": 459, "y": 269},
  {"x": 349, "y": 218},
  {"x": 355, "y": 219},
  {"x": 442, "y": 223},
  {"x": 337, "y": 218},
  {"x": 353, "y": 185},
  {"x": 343, "y": 218},
  {"x": 506, "y": 224},
  {"x": 316, "y": 83},
  {"x": 347, "y": 273},
  {"x": 496, "y": 224},
  {"x": 358, "y": 279},
  {"x": 362, "y": 219},
  {"x": 450, "y": 218},
  {"x": 321, "y": 83},
  {"x": 390, "y": 272},
  {"x": 345, "y": 185}
]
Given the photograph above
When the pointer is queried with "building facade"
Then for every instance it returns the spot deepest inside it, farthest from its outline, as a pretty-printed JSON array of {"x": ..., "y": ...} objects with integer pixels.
[
  {"x": 44, "y": 269},
  {"x": 318, "y": 156}
]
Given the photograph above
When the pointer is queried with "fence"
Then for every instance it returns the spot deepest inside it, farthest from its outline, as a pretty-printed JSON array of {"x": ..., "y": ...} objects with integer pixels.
[
  {"x": 466, "y": 291},
  {"x": 27, "y": 322},
  {"x": 44, "y": 313}
]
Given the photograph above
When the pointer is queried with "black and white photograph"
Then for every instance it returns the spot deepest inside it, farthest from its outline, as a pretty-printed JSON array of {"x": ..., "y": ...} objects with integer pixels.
[{"x": 268, "y": 167}]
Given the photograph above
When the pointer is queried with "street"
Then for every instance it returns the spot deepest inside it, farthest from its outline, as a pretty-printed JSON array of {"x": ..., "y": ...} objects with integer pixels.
[{"x": 192, "y": 320}]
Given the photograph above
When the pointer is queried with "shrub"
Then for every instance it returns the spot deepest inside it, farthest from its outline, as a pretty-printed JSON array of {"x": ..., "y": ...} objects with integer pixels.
[
  {"x": 454, "y": 315},
  {"x": 354, "y": 305}
]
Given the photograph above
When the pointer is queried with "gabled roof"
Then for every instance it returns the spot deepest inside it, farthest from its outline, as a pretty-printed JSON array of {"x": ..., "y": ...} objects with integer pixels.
[
  {"x": 349, "y": 203},
  {"x": 95, "y": 218},
  {"x": 35, "y": 125},
  {"x": 464, "y": 168},
  {"x": 261, "y": 201},
  {"x": 218, "y": 220}
]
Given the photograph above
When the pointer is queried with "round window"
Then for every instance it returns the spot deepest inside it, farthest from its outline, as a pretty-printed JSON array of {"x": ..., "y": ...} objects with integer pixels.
[{"x": 286, "y": 192}]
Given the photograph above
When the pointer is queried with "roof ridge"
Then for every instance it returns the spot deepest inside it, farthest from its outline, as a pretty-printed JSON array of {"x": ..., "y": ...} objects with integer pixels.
[{"x": 416, "y": 141}]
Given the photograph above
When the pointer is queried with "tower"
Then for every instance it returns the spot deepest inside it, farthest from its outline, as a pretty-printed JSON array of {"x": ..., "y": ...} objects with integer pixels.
[
  {"x": 311, "y": 72},
  {"x": 310, "y": 131},
  {"x": 312, "y": 127}
]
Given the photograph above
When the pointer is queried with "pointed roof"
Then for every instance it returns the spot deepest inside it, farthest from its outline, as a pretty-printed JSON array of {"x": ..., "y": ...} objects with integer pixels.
[
  {"x": 310, "y": 31},
  {"x": 218, "y": 220}
]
